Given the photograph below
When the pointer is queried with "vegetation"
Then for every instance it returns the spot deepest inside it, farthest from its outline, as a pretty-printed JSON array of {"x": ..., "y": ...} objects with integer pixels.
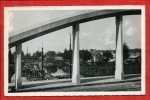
[
  {"x": 126, "y": 51},
  {"x": 67, "y": 54},
  {"x": 88, "y": 66},
  {"x": 85, "y": 55},
  {"x": 107, "y": 55},
  {"x": 50, "y": 55}
]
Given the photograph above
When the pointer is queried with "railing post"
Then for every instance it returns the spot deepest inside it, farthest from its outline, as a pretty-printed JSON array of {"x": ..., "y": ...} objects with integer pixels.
[
  {"x": 119, "y": 72},
  {"x": 18, "y": 81},
  {"x": 76, "y": 59}
]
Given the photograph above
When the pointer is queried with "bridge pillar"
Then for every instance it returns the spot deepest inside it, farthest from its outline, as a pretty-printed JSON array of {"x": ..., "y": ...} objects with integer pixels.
[
  {"x": 119, "y": 72},
  {"x": 18, "y": 81},
  {"x": 76, "y": 59}
]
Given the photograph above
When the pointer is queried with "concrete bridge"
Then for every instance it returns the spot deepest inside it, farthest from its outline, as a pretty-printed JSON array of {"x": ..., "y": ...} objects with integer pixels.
[{"x": 73, "y": 21}]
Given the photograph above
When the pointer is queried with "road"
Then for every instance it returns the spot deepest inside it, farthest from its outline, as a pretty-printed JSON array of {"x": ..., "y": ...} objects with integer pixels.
[{"x": 127, "y": 86}]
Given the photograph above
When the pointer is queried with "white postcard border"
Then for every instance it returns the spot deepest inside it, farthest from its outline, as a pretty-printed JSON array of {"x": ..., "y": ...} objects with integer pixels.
[{"x": 143, "y": 72}]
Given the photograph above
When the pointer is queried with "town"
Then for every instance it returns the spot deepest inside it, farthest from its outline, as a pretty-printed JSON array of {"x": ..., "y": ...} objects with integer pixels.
[{"x": 58, "y": 65}]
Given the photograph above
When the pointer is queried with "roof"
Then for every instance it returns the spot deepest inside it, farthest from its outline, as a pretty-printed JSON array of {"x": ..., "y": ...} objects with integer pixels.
[{"x": 58, "y": 58}]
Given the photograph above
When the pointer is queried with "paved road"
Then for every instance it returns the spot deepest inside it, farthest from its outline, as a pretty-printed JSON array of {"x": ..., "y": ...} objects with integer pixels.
[{"x": 127, "y": 86}]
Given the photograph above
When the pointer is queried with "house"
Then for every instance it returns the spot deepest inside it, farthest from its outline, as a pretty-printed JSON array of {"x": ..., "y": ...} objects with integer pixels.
[
  {"x": 59, "y": 58},
  {"x": 29, "y": 59},
  {"x": 97, "y": 55},
  {"x": 135, "y": 52}
]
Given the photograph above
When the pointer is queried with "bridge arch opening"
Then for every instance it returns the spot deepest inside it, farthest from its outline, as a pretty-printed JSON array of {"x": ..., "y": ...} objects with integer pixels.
[
  {"x": 101, "y": 37},
  {"x": 57, "y": 57}
]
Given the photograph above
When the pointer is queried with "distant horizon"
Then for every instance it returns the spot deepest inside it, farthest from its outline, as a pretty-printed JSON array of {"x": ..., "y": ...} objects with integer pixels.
[{"x": 71, "y": 49}]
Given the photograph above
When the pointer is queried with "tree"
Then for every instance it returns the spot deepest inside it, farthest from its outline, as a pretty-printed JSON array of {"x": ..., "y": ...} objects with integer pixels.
[
  {"x": 126, "y": 52},
  {"x": 107, "y": 55},
  {"x": 67, "y": 54},
  {"x": 50, "y": 55},
  {"x": 22, "y": 54},
  {"x": 85, "y": 55},
  {"x": 36, "y": 54},
  {"x": 11, "y": 57},
  {"x": 11, "y": 68}
]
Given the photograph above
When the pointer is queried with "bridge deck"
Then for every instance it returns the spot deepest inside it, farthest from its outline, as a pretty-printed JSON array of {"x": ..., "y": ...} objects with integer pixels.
[{"x": 66, "y": 83}]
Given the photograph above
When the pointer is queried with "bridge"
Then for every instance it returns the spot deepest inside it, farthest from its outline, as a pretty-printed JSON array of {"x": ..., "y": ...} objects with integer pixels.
[{"x": 73, "y": 21}]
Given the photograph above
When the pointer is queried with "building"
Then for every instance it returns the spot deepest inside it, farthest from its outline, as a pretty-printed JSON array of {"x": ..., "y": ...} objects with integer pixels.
[{"x": 29, "y": 59}]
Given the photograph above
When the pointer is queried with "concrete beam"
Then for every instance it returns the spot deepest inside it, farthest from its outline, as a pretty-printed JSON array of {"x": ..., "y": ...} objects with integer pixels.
[
  {"x": 119, "y": 72},
  {"x": 18, "y": 81},
  {"x": 63, "y": 23},
  {"x": 76, "y": 59}
]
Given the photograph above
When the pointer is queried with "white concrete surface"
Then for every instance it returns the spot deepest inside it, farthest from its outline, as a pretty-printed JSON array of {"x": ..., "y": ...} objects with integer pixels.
[
  {"x": 18, "y": 81},
  {"x": 76, "y": 63},
  {"x": 119, "y": 49}
]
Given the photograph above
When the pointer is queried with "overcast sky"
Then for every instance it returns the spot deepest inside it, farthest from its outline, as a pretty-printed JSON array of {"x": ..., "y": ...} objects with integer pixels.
[{"x": 98, "y": 34}]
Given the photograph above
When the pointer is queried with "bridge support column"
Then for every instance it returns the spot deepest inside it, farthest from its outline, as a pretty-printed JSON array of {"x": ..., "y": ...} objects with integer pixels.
[
  {"x": 76, "y": 59},
  {"x": 18, "y": 81},
  {"x": 119, "y": 72}
]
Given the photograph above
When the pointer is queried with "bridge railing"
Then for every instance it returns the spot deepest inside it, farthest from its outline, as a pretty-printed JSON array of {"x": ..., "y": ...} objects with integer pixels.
[
  {"x": 32, "y": 73},
  {"x": 106, "y": 69}
]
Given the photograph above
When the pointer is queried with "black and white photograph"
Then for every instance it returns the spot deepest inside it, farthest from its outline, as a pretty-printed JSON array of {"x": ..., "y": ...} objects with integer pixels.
[{"x": 70, "y": 50}]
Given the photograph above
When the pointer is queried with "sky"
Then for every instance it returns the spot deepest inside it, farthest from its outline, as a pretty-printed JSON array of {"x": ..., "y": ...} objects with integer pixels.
[{"x": 98, "y": 34}]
